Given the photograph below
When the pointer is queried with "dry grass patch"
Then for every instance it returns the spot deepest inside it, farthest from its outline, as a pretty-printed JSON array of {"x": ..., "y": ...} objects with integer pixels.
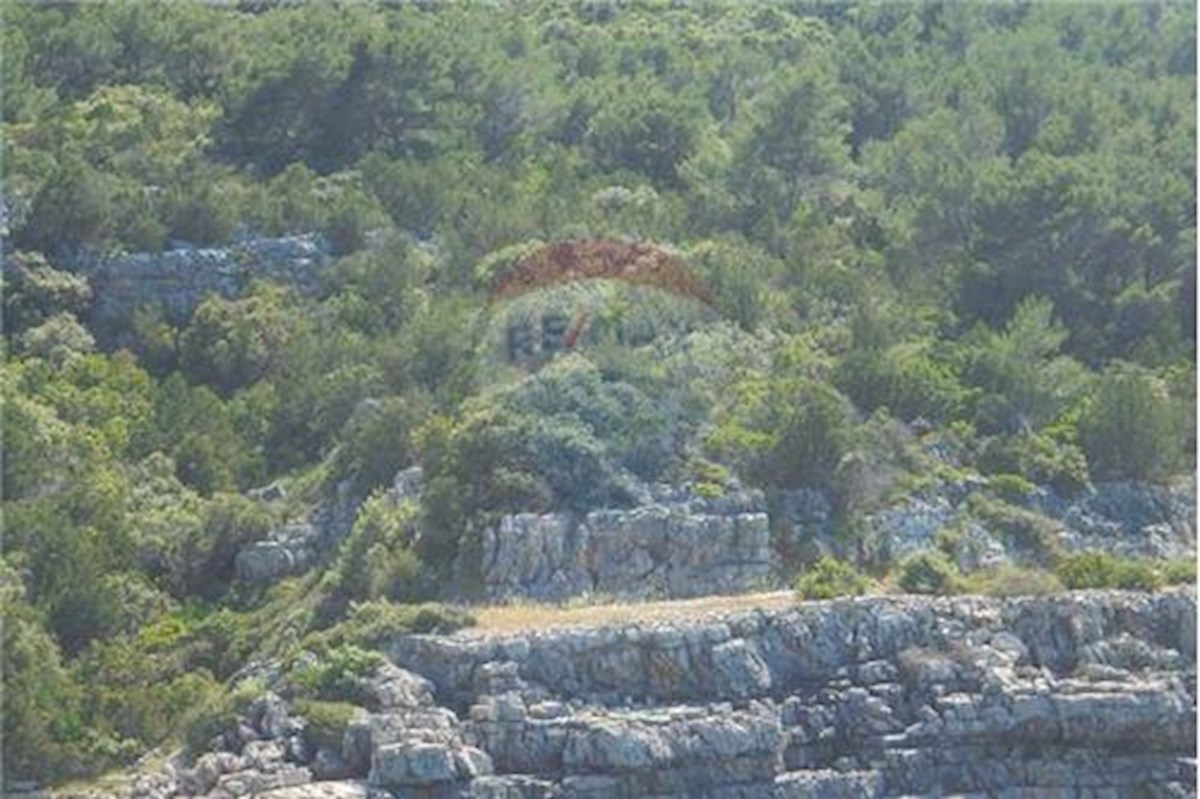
[{"x": 536, "y": 616}]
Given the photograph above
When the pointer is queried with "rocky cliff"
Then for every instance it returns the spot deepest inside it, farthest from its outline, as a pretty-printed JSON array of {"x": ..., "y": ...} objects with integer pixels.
[
  {"x": 1083, "y": 694},
  {"x": 676, "y": 544}
]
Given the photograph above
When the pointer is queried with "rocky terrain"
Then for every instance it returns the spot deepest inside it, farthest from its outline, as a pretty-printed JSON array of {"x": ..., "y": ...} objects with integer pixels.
[
  {"x": 679, "y": 543},
  {"x": 1083, "y": 694},
  {"x": 178, "y": 280}
]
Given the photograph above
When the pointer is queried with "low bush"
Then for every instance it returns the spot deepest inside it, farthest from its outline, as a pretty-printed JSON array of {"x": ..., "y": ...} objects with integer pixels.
[
  {"x": 377, "y": 561},
  {"x": 830, "y": 578},
  {"x": 1139, "y": 575},
  {"x": 1036, "y": 457},
  {"x": 336, "y": 675},
  {"x": 327, "y": 721},
  {"x": 1011, "y": 487},
  {"x": 216, "y": 714},
  {"x": 1026, "y": 530},
  {"x": 1102, "y": 570},
  {"x": 1179, "y": 570},
  {"x": 1130, "y": 427},
  {"x": 1087, "y": 570},
  {"x": 1009, "y": 580},
  {"x": 371, "y": 624},
  {"x": 929, "y": 572}
]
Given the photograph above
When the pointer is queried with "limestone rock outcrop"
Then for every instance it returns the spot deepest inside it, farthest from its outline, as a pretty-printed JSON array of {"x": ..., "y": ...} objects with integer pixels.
[
  {"x": 675, "y": 545},
  {"x": 178, "y": 280},
  {"x": 1085, "y": 694}
]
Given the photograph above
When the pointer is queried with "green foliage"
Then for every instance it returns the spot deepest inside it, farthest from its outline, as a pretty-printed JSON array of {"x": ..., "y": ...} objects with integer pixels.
[
  {"x": 45, "y": 732},
  {"x": 206, "y": 556},
  {"x": 374, "y": 624},
  {"x": 1011, "y": 488},
  {"x": 1025, "y": 382},
  {"x": 1094, "y": 569},
  {"x": 1179, "y": 570},
  {"x": 376, "y": 442},
  {"x": 215, "y": 715},
  {"x": 377, "y": 560},
  {"x": 35, "y": 292},
  {"x": 336, "y": 675},
  {"x": 646, "y": 129},
  {"x": 568, "y": 437},
  {"x": 327, "y": 722},
  {"x": 231, "y": 344},
  {"x": 928, "y": 572},
  {"x": 1129, "y": 428},
  {"x": 830, "y": 578},
  {"x": 1027, "y": 531},
  {"x": 972, "y": 224},
  {"x": 1036, "y": 457},
  {"x": 1009, "y": 580},
  {"x": 905, "y": 379},
  {"x": 784, "y": 432},
  {"x": 57, "y": 340}
]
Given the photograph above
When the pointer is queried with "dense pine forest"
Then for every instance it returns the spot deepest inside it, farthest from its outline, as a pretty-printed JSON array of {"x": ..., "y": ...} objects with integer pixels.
[{"x": 962, "y": 228}]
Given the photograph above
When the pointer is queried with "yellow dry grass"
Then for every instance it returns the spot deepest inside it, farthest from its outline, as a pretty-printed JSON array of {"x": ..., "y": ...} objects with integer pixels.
[{"x": 524, "y": 616}]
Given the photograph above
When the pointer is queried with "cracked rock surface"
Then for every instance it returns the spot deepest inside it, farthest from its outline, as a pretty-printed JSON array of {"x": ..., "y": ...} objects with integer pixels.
[{"x": 1089, "y": 694}]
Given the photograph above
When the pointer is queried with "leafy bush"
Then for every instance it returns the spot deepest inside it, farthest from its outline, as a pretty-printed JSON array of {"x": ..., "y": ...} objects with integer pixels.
[
  {"x": 1139, "y": 575},
  {"x": 377, "y": 560},
  {"x": 904, "y": 378},
  {"x": 206, "y": 558},
  {"x": 784, "y": 432},
  {"x": 327, "y": 722},
  {"x": 1179, "y": 570},
  {"x": 1009, "y": 580},
  {"x": 216, "y": 715},
  {"x": 830, "y": 578},
  {"x": 1027, "y": 530},
  {"x": 1130, "y": 427},
  {"x": 44, "y": 722},
  {"x": 1095, "y": 569},
  {"x": 1011, "y": 487},
  {"x": 928, "y": 572},
  {"x": 376, "y": 442},
  {"x": 373, "y": 624},
  {"x": 1038, "y": 458},
  {"x": 336, "y": 674}
]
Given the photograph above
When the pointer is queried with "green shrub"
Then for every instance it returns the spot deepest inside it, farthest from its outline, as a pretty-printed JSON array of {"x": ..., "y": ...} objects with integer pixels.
[
  {"x": 1179, "y": 570},
  {"x": 371, "y": 624},
  {"x": 1087, "y": 570},
  {"x": 1027, "y": 530},
  {"x": 376, "y": 560},
  {"x": 1011, "y": 487},
  {"x": 1038, "y": 458},
  {"x": 928, "y": 572},
  {"x": 208, "y": 719},
  {"x": 1130, "y": 428},
  {"x": 1095, "y": 569},
  {"x": 905, "y": 379},
  {"x": 1139, "y": 575},
  {"x": 784, "y": 432},
  {"x": 830, "y": 578},
  {"x": 376, "y": 442},
  {"x": 327, "y": 721},
  {"x": 336, "y": 675},
  {"x": 1009, "y": 580}
]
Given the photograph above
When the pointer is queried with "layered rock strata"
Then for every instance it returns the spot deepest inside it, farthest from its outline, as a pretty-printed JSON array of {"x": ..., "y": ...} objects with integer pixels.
[
  {"x": 1090, "y": 694},
  {"x": 677, "y": 544}
]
